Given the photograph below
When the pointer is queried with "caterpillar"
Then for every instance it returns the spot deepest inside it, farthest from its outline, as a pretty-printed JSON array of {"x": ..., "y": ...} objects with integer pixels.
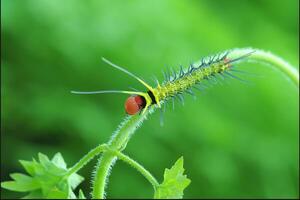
[{"x": 175, "y": 84}]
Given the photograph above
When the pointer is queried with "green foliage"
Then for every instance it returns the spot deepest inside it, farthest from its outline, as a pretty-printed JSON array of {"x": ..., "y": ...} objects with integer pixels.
[
  {"x": 174, "y": 182},
  {"x": 51, "y": 179},
  {"x": 46, "y": 179}
]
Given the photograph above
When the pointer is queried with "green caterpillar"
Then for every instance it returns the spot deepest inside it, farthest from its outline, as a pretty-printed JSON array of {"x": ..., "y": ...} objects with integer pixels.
[{"x": 175, "y": 85}]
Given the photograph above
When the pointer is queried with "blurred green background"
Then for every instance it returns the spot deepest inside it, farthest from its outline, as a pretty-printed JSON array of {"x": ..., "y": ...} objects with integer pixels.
[{"x": 237, "y": 140}]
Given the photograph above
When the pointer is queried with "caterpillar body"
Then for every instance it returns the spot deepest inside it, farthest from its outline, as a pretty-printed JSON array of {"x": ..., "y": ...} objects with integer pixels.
[{"x": 174, "y": 85}]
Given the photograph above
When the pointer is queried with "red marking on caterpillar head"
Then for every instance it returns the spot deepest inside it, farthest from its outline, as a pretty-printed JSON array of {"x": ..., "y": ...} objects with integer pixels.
[
  {"x": 134, "y": 104},
  {"x": 227, "y": 60}
]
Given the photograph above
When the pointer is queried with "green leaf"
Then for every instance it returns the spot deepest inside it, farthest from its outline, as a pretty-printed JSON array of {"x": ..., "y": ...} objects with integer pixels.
[
  {"x": 81, "y": 195},
  {"x": 20, "y": 177},
  {"x": 22, "y": 183},
  {"x": 18, "y": 187},
  {"x": 36, "y": 194},
  {"x": 174, "y": 182},
  {"x": 75, "y": 180},
  {"x": 28, "y": 166},
  {"x": 44, "y": 160},
  {"x": 46, "y": 179},
  {"x": 58, "y": 160},
  {"x": 38, "y": 168}
]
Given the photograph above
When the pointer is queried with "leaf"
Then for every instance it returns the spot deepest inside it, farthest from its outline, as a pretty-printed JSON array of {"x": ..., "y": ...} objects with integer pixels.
[
  {"x": 44, "y": 160},
  {"x": 22, "y": 183},
  {"x": 21, "y": 177},
  {"x": 46, "y": 179},
  {"x": 17, "y": 186},
  {"x": 58, "y": 160},
  {"x": 81, "y": 195},
  {"x": 28, "y": 166},
  {"x": 75, "y": 180},
  {"x": 174, "y": 182},
  {"x": 38, "y": 167},
  {"x": 36, "y": 194}
]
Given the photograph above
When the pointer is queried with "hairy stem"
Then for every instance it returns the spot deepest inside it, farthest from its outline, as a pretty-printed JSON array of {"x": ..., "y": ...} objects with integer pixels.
[
  {"x": 268, "y": 58},
  {"x": 118, "y": 142},
  {"x": 104, "y": 148},
  {"x": 127, "y": 128},
  {"x": 138, "y": 167},
  {"x": 83, "y": 161}
]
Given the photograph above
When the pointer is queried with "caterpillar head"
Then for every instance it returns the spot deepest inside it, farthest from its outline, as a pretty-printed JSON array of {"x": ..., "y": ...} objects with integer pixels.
[{"x": 134, "y": 104}]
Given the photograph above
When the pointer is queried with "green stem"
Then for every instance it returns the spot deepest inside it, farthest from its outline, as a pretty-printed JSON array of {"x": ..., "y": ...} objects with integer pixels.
[
  {"x": 118, "y": 142},
  {"x": 268, "y": 58},
  {"x": 110, "y": 157},
  {"x": 83, "y": 161},
  {"x": 138, "y": 167}
]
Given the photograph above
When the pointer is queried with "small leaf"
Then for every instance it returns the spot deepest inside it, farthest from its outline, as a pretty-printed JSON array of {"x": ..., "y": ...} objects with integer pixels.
[
  {"x": 12, "y": 185},
  {"x": 53, "y": 169},
  {"x": 59, "y": 161},
  {"x": 174, "y": 182},
  {"x": 38, "y": 168},
  {"x": 20, "y": 177},
  {"x": 28, "y": 166},
  {"x": 22, "y": 183},
  {"x": 19, "y": 186},
  {"x": 81, "y": 195},
  {"x": 47, "y": 179},
  {"x": 44, "y": 160},
  {"x": 75, "y": 180}
]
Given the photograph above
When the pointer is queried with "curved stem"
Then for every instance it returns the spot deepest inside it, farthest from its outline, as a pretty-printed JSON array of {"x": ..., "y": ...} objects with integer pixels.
[
  {"x": 107, "y": 159},
  {"x": 268, "y": 58},
  {"x": 102, "y": 172},
  {"x": 138, "y": 167},
  {"x": 89, "y": 156},
  {"x": 104, "y": 147}
]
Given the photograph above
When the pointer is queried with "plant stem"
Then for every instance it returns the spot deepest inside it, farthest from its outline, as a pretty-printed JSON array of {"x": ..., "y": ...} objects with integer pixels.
[
  {"x": 138, "y": 167},
  {"x": 117, "y": 142},
  {"x": 268, "y": 58},
  {"x": 83, "y": 161},
  {"x": 104, "y": 147}
]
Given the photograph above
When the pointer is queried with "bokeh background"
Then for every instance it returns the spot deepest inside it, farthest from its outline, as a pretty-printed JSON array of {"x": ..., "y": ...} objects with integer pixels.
[{"x": 237, "y": 140}]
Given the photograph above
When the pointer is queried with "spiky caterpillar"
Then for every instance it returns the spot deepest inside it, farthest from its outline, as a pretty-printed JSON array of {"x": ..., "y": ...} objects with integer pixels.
[
  {"x": 180, "y": 82},
  {"x": 183, "y": 81}
]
